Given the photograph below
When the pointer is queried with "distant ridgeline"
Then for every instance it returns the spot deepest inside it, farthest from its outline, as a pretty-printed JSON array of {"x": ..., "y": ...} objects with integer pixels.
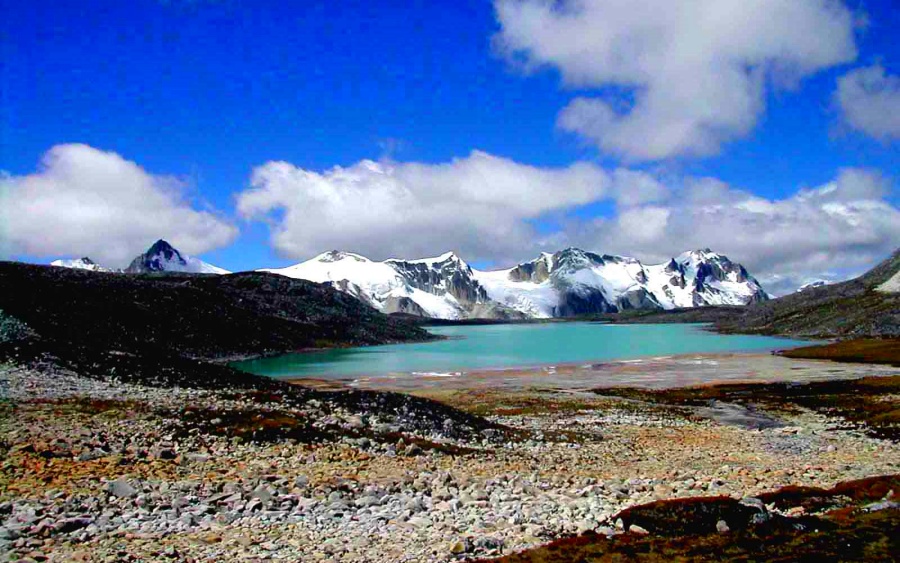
[
  {"x": 160, "y": 257},
  {"x": 567, "y": 283}
]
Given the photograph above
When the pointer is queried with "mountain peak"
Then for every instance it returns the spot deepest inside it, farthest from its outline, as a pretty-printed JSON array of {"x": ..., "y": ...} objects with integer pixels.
[
  {"x": 813, "y": 284},
  {"x": 163, "y": 257},
  {"x": 338, "y": 255},
  {"x": 700, "y": 255},
  {"x": 445, "y": 257},
  {"x": 163, "y": 248},
  {"x": 83, "y": 263}
]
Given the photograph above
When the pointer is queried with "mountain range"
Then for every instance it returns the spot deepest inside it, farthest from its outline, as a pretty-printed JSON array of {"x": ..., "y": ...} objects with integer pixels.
[
  {"x": 567, "y": 283},
  {"x": 574, "y": 282},
  {"x": 868, "y": 305}
]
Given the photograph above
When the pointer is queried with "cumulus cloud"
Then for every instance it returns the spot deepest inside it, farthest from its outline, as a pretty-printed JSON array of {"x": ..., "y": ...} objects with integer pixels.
[
  {"x": 84, "y": 201},
  {"x": 869, "y": 101},
  {"x": 842, "y": 227},
  {"x": 481, "y": 205},
  {"x": 676, "y": 77}
]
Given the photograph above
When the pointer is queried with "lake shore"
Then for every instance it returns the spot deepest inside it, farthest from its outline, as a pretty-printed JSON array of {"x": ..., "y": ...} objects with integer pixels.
[
  {"x": 99, "y": 471},
  {"x": 652, "y": 372}
]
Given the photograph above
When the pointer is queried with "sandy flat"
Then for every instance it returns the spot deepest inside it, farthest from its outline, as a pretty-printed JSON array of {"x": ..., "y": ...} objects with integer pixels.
[{"x": 662, "y": 372}]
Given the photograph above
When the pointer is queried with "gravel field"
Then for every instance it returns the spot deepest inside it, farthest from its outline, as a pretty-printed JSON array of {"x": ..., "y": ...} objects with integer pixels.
[{"x": 106, "y": 471}]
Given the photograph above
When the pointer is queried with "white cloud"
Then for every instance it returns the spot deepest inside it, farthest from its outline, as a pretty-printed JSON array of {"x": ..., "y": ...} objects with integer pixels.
[
  {"x": 83, "y": 201},
  {"x": 869, "y": 101},
  {"x": 843, "y": 226},
  {"x": 680, "y": 78},
  {"x": 480, "y": 205}
]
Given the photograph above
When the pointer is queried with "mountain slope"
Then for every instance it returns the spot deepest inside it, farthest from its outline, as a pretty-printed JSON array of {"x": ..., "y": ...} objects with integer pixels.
[
  {"x": 163, "y": 257},
  {"x": 575, "y": 282},
  {"x": 199, "y": 317},
  {"x": 443, "y": 287},
  {"x": 858, "y": 307},
  {"x": 567, "y": 283}
]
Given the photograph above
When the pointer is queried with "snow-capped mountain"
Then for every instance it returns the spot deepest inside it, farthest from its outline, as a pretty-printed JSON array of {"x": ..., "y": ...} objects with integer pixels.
[
  {"x": 442, "y": 287},
  {"x": 573, "y": 282},
  {"x": 813, "y": 284},
  {"x": 163, "y": 257},
  {"x": 566, "y": 283},
  {"x": 84, "y": 263}
]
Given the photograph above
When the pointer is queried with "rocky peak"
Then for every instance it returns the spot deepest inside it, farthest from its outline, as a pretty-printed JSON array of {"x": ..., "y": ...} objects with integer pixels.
[
  {"x": 156, "y": 259},
  {"x": 572, "y": 259},
  {"x": 163, "y": 257},
  {"x": 673, "y": 267},
  {"x": 446, "y": 273},
  {"x": 536, "y": 271}
]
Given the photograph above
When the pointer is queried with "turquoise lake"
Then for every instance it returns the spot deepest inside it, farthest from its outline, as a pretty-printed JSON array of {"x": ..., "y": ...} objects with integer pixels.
[{"x": 472, "y": 348}]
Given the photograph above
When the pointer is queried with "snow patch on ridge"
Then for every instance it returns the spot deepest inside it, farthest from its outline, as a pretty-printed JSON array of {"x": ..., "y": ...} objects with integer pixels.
[
  {"x": 84, "y": 263},
  {"x": 892, "y": 285}
]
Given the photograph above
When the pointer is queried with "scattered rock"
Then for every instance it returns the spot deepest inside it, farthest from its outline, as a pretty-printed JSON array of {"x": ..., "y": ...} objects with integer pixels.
[
  {"x": 121, "y": 488},
  {"x": 635, "y": 529}
]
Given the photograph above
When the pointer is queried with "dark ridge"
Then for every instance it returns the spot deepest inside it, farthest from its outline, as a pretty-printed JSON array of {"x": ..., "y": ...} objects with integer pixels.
[
  {"x": 199, "y": 317},
  {"x": 164, "y": 330},
  {"x": 849, "y": 309}
]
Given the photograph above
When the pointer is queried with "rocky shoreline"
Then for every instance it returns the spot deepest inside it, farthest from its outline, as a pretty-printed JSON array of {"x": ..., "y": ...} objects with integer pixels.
[{"x": 101, "y": 470}]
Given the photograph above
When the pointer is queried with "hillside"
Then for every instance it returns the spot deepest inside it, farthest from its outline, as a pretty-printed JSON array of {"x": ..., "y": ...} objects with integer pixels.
[
  {"x": 78, "y": 314},
  {"x": 858, "y": 307}
]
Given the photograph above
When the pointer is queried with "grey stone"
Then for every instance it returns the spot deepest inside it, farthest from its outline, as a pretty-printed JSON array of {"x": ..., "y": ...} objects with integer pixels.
[
  {"x": 262, "y": 493},
  {"x": 640, "y": 530},
  {"x": 121, "y": 488}
]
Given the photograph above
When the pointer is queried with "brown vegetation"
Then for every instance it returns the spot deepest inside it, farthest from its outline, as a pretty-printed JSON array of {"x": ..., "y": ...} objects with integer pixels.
[
  {"x": 869, "y": 403},
  {"x": 685, "y": 530},
  {"x": 863, "y": 350}
]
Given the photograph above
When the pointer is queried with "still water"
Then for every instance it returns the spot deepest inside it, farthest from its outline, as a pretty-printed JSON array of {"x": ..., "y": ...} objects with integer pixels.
[{"x": 470, "y": 348}]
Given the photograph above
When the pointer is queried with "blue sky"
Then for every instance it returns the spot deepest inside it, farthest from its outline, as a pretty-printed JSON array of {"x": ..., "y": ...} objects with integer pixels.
[{"x": 197, "y": 94}]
